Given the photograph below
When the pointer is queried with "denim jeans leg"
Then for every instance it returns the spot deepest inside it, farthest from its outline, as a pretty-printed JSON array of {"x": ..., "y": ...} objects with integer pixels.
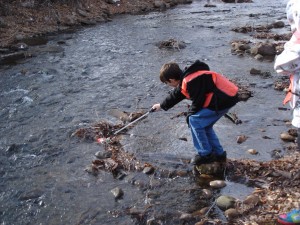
[
  {"x": 204, "y": 138},
  {"x": 214, "y": 141},
  {"x": 200, "y": 141}
]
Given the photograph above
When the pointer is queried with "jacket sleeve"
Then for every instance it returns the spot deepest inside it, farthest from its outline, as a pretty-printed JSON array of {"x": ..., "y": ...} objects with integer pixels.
[
  {"x": 172, "y": 99},
  {"x": 197, "y": 89}
]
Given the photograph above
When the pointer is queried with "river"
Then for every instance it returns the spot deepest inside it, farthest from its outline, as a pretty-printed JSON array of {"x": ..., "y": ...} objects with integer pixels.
[{"x": 44, "y": 99}]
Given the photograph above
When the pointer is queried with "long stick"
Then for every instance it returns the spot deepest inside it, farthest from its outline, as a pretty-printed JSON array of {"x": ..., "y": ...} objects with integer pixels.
[{"x": 118, "y": 131}]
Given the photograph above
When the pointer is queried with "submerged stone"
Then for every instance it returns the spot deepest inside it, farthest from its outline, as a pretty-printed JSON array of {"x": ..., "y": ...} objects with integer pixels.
[{"x": 117, "y": 192}]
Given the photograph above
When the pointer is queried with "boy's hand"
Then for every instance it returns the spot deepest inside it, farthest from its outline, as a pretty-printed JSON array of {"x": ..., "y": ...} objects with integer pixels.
[{"x": 156, "y": 107}]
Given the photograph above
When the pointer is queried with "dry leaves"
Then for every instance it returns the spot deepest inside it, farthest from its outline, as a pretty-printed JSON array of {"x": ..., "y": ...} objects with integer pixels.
[{"x": 277, "y": 184}]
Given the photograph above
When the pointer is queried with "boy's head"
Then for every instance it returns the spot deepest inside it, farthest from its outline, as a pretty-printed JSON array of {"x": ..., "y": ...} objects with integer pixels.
[{"x": 170, "y": 71}]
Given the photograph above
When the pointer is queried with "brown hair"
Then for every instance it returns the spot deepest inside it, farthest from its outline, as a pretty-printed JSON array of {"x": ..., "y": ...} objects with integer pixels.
[{"x": 169, "y": 71}]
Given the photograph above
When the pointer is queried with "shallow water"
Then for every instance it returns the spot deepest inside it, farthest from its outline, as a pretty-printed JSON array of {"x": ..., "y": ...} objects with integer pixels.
[{"x": 115, "y": 65}]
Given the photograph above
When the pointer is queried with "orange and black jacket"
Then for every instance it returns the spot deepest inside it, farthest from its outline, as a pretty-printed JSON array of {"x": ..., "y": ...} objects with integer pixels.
[{"x": 199, "y": 85}]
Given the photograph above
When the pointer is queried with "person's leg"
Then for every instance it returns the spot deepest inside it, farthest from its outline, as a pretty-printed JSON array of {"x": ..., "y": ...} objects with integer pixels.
[
  {"x": 198, "y": 122},
  {"x": 217, "y": 149},
  {"x": 202, "y": 146},
  {"x": 204, "y": 137},
  {"x": 214, "y": 141},
  {"x": 195, "y": 141}
]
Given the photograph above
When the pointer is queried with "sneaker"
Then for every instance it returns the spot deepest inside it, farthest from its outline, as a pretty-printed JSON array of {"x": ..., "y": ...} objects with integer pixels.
[
  {"x": 290, "y": 218},
  {"x": 221, "y": 158},
  {"x": 198, "y": 159}
]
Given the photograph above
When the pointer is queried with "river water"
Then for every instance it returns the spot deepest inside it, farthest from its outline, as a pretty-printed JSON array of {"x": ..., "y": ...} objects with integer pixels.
[{"x": 115, "y": 65}]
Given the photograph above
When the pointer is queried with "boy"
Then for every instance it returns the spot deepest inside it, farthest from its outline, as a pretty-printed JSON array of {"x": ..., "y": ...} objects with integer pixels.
[{"x": 212, "y": 95}]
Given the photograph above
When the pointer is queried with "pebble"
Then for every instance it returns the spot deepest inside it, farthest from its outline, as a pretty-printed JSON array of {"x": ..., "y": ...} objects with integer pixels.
[
  {"x": 287, "y": 137},
  {"x": 103, "y": 155},
  {"x": 148, "y": 170},
  {"x": 117, "y": 192},
  {"x": 225, "y": 202},
  {"x": 231, "y": 213},
  {"x": 207, "y": 193},
  {"x": 252, "y": 151},
  {"x": 91, "y": 169},
  {"x": 217, "y": 184},
  {"x": 241, "y": 138}
]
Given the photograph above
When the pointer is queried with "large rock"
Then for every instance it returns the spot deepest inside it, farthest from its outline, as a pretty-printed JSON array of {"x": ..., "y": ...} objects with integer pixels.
[{"x": 264, "y": 49}]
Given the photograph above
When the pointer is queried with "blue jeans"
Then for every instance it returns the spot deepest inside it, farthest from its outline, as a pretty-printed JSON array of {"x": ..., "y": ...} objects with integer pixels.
[{"x": 204, "y": 137}]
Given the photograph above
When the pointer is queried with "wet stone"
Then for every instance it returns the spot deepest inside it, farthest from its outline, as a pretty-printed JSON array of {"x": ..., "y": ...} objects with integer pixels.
[
  {"x": 252, "y": 151},
  {"x": 217, "y": 183},
  {"x": 207, "y": 193},
  {"x": 148, "y": 170},
  {"x": 287, "y": 137},
  {"x": 225, "y": 202},
  {"x": 91, "y": 169},
  {"x": 35, "y": 193},
  {"x": 231, "y": 213},
  {"x": 117, "y": 192},
  {"x": 254, "y": 71},
  {"x": 11, "y": 149},
  {"x": 278, "y": 24},
  {"x": 241, "y": 138},
  {"x": 103, "y": 155}
]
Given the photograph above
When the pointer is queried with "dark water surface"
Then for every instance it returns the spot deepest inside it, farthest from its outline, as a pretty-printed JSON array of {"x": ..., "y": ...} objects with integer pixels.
[{"x": 115, "y": 65}]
